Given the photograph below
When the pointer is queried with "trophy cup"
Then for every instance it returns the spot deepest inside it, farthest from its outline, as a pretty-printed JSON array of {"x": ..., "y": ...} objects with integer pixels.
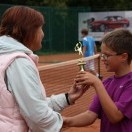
[{"x": 81, "y": 62}]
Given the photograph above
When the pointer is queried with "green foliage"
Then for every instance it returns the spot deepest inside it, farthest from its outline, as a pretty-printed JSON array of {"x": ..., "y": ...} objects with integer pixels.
[{"x": 94, "y": 4}]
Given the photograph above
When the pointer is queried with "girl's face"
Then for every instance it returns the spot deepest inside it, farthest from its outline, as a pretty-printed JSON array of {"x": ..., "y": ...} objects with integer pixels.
[
  {"x": 111, "y": 59},
  {"x": 36, "y": 43}
]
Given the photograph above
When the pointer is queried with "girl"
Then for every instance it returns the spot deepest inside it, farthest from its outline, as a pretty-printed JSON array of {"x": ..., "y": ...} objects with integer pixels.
[{"x": 113, "y": 102}]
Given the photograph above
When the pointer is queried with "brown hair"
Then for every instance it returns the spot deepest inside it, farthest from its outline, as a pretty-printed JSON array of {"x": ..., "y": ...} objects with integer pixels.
[
  {"x": 84, "y": 31},
  {"x": 21, "y": 22},
  {"x": 120, "y": 41}
]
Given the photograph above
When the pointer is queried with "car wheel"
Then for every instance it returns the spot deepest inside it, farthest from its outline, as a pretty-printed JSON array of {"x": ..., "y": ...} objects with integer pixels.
[{"x": 102, "y": 27}]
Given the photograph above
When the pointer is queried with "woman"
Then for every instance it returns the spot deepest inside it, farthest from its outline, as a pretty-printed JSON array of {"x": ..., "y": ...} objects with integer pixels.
[{"x": 27, "y": 107}]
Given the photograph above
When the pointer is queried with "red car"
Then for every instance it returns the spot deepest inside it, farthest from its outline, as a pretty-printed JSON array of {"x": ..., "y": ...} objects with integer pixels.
[{"x": 109, "y": 23}]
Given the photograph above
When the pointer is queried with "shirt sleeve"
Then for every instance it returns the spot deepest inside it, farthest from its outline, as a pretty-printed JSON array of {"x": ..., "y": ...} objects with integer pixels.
[
  {"x": 96, "y": 106},
  {"x": 84, "y": 41},
  {"x": 57, "y": 102},
  {"x": 37, "y": 110}
]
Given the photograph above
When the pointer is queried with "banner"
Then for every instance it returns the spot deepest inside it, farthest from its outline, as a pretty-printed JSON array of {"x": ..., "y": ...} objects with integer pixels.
[{"x": 100, "y": 23}]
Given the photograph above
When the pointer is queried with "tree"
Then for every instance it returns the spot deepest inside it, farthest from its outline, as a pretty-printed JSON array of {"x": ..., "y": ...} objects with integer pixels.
[{"x": 94, "y": 5}]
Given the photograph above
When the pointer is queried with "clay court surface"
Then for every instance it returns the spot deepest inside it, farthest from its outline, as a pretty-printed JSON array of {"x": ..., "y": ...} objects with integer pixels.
[{"x": 83, "y": 103}]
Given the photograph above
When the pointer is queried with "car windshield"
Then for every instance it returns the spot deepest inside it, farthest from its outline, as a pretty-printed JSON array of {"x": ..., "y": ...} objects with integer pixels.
[
  {"x": 109, "y": 18},
  {"x": 112, "y": 18}
]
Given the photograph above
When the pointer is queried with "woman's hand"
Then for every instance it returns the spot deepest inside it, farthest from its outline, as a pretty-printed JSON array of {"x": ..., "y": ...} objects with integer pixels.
[{"x": 76, "y": 92}]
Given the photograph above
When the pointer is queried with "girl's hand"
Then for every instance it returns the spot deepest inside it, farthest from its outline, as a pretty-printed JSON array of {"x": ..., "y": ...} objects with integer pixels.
[{"x": 86, "y": 78}]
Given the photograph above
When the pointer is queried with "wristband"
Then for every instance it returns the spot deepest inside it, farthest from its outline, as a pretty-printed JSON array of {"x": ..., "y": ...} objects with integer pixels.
[
  {"x": 67, "y": 98},
  {"x": 69, "y": 102}
]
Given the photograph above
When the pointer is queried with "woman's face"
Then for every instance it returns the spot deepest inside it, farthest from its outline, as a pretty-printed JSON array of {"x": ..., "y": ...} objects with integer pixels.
[{"x": 36, "y": 43}]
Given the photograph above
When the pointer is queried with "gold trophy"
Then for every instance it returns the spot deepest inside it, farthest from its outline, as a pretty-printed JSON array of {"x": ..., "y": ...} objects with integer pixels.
[{"x": 81, "y": 62}]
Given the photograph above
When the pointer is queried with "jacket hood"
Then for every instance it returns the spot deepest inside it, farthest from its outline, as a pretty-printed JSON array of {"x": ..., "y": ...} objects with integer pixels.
[{"x": 9, "y": 45}]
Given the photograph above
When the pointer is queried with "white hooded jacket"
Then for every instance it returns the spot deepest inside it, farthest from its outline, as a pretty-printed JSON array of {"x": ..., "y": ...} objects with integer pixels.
[{"x": 40, "y": 113}]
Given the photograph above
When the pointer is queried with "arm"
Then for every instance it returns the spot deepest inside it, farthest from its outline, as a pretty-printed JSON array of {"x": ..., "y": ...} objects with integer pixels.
[
  {"x": 84, "y": 47},
  {"x": 38, "y": 111},
  {"x": 84, "y": 50},
  {"x": 60, "y": 101},
  {"x": 109, "y": 107},
  {"x": 30, "y": 97},
  {"x": 57, "y": 102},
  {"x": 111, "y": 110},
  {"x": 83, "y": 119},
  {"x": 95, "y": 49}
]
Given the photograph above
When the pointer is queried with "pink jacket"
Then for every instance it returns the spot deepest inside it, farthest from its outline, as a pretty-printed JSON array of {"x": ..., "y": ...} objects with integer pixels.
[{"x": 10, "y": 117}]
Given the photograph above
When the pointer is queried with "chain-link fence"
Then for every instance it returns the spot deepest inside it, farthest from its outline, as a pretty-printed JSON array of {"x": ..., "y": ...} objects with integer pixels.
[{"x": 61, "y": 28}]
